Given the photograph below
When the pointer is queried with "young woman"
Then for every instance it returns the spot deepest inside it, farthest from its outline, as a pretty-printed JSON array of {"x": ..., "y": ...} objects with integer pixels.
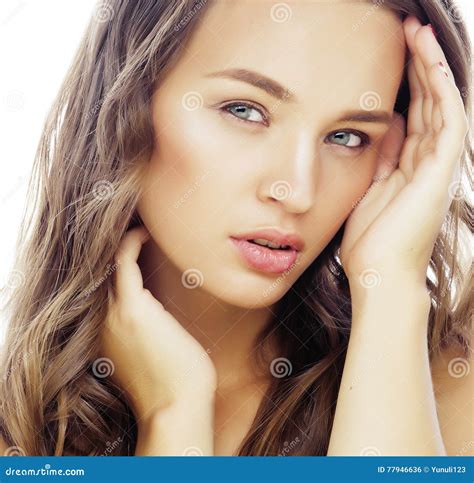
[{"x": 150, "y": 317}]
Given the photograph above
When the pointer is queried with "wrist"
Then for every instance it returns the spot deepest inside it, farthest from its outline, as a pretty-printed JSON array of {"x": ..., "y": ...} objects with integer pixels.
[
  {"x": 178, "y": 428},
  {"x": 395, "y": 307},
  {"x": 179, "y": 406},
  {"x": 388, "y": 289}
]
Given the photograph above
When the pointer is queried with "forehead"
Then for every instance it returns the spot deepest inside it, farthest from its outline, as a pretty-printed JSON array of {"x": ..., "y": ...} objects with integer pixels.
[{"x": 335, "y": 44}]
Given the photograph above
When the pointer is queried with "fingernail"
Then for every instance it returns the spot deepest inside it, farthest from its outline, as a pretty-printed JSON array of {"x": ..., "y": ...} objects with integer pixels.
[
  {"x": 443, "y": 68},
  {"x": 432, "y": 29}
]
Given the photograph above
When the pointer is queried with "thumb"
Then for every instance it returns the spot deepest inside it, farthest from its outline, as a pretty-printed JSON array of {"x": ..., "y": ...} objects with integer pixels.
[{"x": 391, "y": 148}]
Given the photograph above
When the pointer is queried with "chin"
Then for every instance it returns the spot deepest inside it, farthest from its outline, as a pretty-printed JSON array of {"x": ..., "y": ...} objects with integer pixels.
[{"x": 252, "y": 292}]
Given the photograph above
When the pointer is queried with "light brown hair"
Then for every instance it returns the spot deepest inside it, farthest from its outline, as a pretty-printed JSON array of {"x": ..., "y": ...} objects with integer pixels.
[{"x": 83, "y": 193}]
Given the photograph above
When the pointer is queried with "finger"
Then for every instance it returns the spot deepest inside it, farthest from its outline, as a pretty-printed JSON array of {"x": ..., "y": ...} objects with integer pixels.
[
  {"x": 431, "y": 53},
  {"x": 436, "y": 119},
  {"x": 391, "y": 147},
  {"x": 415, "y": 109},
  {"x": 388, "y": 180},
  {"x": 407, "y": 157},
  {"x": 451, "y": 138},
  {"x": 449, "y": 117},
  {"x": 411, "y": 27},
  {"x": 128, "y": 275}
]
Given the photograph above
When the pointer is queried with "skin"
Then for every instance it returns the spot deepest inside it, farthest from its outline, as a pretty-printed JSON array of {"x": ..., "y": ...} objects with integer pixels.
[
  {"x": 235, "y": 163},
  {"x": 158, "y": 331},
  {"x": 392, "y": 234},
  {"x": 240, "y": 162}
]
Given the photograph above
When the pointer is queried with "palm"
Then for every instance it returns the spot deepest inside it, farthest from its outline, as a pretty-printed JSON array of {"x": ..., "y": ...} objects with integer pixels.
[{"x": 397, "y": 222}]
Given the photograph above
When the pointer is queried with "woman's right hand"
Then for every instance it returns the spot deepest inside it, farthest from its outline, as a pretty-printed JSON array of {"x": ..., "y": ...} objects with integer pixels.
[{"x": 153, "y": 357}]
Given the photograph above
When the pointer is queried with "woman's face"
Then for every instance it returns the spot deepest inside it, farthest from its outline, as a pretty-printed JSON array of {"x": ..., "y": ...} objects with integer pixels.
[{"x": 237, "y": 155}]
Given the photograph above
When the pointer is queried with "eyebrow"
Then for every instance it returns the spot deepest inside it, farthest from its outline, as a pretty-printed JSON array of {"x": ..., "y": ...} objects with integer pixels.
[
  {"x": 382, "y": 117},
  {"x": 258, "y": 80},
  {"x": 282, "y": 93}
]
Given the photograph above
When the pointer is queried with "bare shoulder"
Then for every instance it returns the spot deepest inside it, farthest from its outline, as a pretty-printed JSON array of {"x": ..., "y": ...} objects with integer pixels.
[{"x": 453, "y": 383}]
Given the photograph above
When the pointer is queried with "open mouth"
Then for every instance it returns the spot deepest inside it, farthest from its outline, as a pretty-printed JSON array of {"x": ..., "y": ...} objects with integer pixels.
[
  {"x": 266, "y": 258},
  {"x": 269, "y": 245}
]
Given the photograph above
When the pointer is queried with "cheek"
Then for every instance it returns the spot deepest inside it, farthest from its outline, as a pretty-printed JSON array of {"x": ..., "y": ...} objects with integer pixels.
[
  {"x": 192, "y": 172},
  {"x": 184, "y": 184},
  {"x": 351, "y": 188},
  {"x": 342, "y": 180},
  {"x": 340, "y": 186}
]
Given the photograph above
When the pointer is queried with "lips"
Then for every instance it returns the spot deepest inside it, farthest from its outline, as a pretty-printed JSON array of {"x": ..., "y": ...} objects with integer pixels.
[
  {"x": 265, "y": 259},
  {"x": 275, "y": 236}
]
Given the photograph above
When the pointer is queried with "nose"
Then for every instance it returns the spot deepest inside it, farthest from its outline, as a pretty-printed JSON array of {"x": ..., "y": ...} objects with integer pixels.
[{"x": 291, "y": 173}]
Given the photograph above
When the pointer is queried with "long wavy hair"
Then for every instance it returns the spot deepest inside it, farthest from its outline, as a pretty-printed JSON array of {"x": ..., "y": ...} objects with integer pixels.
[{"x": 82, "y": 196}]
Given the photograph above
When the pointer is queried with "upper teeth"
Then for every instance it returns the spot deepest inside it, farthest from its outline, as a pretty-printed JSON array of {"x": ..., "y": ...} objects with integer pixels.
[{"x": 266, "y": 243}]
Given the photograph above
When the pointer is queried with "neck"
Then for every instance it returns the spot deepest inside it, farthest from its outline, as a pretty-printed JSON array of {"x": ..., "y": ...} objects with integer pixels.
[{"x": 227, "y": 331}]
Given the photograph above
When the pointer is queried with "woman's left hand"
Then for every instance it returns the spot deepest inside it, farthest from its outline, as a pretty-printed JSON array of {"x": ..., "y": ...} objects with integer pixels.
[{"x": 394, "y": 228}]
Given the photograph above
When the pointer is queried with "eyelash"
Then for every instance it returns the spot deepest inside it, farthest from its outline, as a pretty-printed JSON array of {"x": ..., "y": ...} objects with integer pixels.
[
  {"x": 365, "y": 139},
  {"x": 245, "y": 104}
]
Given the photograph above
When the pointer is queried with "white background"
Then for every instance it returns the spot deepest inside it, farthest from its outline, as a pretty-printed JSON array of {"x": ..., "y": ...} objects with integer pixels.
[{"x": 37, "y": 42}]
